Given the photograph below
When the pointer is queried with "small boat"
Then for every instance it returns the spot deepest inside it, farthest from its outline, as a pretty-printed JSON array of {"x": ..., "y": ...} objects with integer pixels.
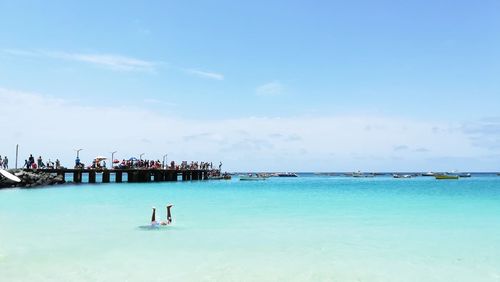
[
  {"x": 362, "y": 175},
  {"x": 428, "y": 174},
  {"x": 252, "y": 177},
  {"x": 288, "y": 174},
  {"x": 402, "y": 175},
  {"x": 464, "y": 174},
  {"x": 220, "y": 177},
  {"x": 446, "y": 176}
]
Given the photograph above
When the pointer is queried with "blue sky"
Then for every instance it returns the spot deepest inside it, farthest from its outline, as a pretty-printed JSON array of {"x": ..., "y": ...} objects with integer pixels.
[{"x": 258, "y": 67}]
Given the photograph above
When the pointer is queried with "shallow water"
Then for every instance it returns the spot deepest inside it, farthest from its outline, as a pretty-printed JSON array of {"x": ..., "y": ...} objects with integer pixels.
[{"x": 283, "y": 229}]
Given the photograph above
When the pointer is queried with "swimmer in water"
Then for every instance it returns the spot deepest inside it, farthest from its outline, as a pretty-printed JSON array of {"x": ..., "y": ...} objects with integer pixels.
[
  {"x": 169, "y": 215},
  {"x": 153, "y": 217}
]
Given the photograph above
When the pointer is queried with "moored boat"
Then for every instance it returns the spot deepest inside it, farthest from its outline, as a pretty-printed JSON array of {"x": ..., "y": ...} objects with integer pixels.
[
  {"x": 362, "y": 175},
  {"x": 446, "y": 176},
  {"x": 287, "y": 174},
  {"x": 252, "y": 177},
  {"x": 402, "y": 175},
  {"x": 428, "y": 174}
]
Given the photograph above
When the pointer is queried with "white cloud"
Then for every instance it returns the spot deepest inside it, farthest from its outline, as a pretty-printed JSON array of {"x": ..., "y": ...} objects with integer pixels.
[
  {"x": 24, "y": 53},
  {"x": 484, "y": 133},
  {"x": 115, "y": 62},
  {"x": 206, "y": 74},
  {"x": 270, "y": 89},
  {"x": 110, "y": 61},
  {"x": 53, "y": 127},
  {"x": 400, "y": 148}
]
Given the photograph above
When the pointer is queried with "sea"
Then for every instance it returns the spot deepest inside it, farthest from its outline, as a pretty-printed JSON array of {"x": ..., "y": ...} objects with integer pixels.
[{"x": 308, "y": 228}]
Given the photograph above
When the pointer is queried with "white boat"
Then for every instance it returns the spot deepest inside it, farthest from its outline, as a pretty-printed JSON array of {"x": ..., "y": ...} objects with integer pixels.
[
  {"x": 252, "y": 177},
  {"x": 362, "y": 175},
  {"x": 402, "y": 175}
]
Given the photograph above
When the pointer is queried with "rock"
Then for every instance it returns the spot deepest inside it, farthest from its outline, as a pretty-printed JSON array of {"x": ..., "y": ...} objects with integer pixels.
[{"x": 30, "y": 179}]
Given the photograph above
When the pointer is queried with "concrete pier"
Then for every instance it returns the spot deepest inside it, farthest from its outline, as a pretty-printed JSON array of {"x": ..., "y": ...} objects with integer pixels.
[{"x": 133, "y": 175}]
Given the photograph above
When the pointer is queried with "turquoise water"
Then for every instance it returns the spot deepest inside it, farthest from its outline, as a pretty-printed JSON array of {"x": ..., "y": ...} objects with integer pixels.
[{"x": 294, "y": 229}]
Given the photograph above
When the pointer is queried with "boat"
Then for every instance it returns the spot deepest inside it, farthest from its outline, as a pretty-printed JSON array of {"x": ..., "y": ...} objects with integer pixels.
[
  {"x": 252, "y": 177},
  {"x": 288, "y": 174},
  {"x": 428, "y": 174},
  {"x": 362, "y": 175},
  {"x": 446, "y": 176},
  {"x": 464, "y": 174},
  {"x": 402, "y": 175},
  {"x": 225, "y": 176},
  {"x": 215, "y": 178}
]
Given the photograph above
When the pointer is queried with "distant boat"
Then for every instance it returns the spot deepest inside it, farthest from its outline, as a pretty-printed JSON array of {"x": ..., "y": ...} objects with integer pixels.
[
  {"x": 362, "y": 175},
  {"x": 464, "y": 174},
  {"x": 446, "y": 176},
  {"x": 221, "y": 177},
  {"x": 428, "y": 174},
  {"x": 402, "y": 175},
  {"x": 252, "y": 177},
  {"x": 288, "y": 174}
]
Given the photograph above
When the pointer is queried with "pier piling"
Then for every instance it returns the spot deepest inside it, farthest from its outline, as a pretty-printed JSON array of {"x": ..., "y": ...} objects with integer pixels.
[
  {"x": 92, "y": 176},
  {"x": 118, "y": 177},
  {"x": 105, "y": 176},
  {"x": 77, "y": 176}
]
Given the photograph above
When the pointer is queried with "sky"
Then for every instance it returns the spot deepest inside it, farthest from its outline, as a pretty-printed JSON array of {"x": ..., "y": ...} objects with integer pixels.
[{"x": 258, "y": 85}]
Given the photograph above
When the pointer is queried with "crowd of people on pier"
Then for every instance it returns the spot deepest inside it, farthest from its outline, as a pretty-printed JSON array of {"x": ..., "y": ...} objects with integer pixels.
[
  {"x": 30, "y": 163},
  {"x": 135, "y": 163},
  {"x": 151, "y": 164},
  {"x": 194, "y": 165},
  {"x": 132, "y": 163}
]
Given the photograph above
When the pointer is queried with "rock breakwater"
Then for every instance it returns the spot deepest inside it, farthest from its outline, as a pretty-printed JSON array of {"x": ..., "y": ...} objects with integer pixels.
[{"x": 31, "y": 179}]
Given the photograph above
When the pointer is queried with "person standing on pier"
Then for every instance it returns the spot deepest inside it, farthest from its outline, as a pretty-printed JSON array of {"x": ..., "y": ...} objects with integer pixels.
[
  {"x": 5, "y": 163},
  {"x": 31, "y": 160},
  {"x": 40, "y": 162}
]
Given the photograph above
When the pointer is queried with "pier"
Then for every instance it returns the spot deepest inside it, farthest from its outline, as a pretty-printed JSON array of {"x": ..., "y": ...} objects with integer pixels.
[{"x": 127, "y": 175}]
